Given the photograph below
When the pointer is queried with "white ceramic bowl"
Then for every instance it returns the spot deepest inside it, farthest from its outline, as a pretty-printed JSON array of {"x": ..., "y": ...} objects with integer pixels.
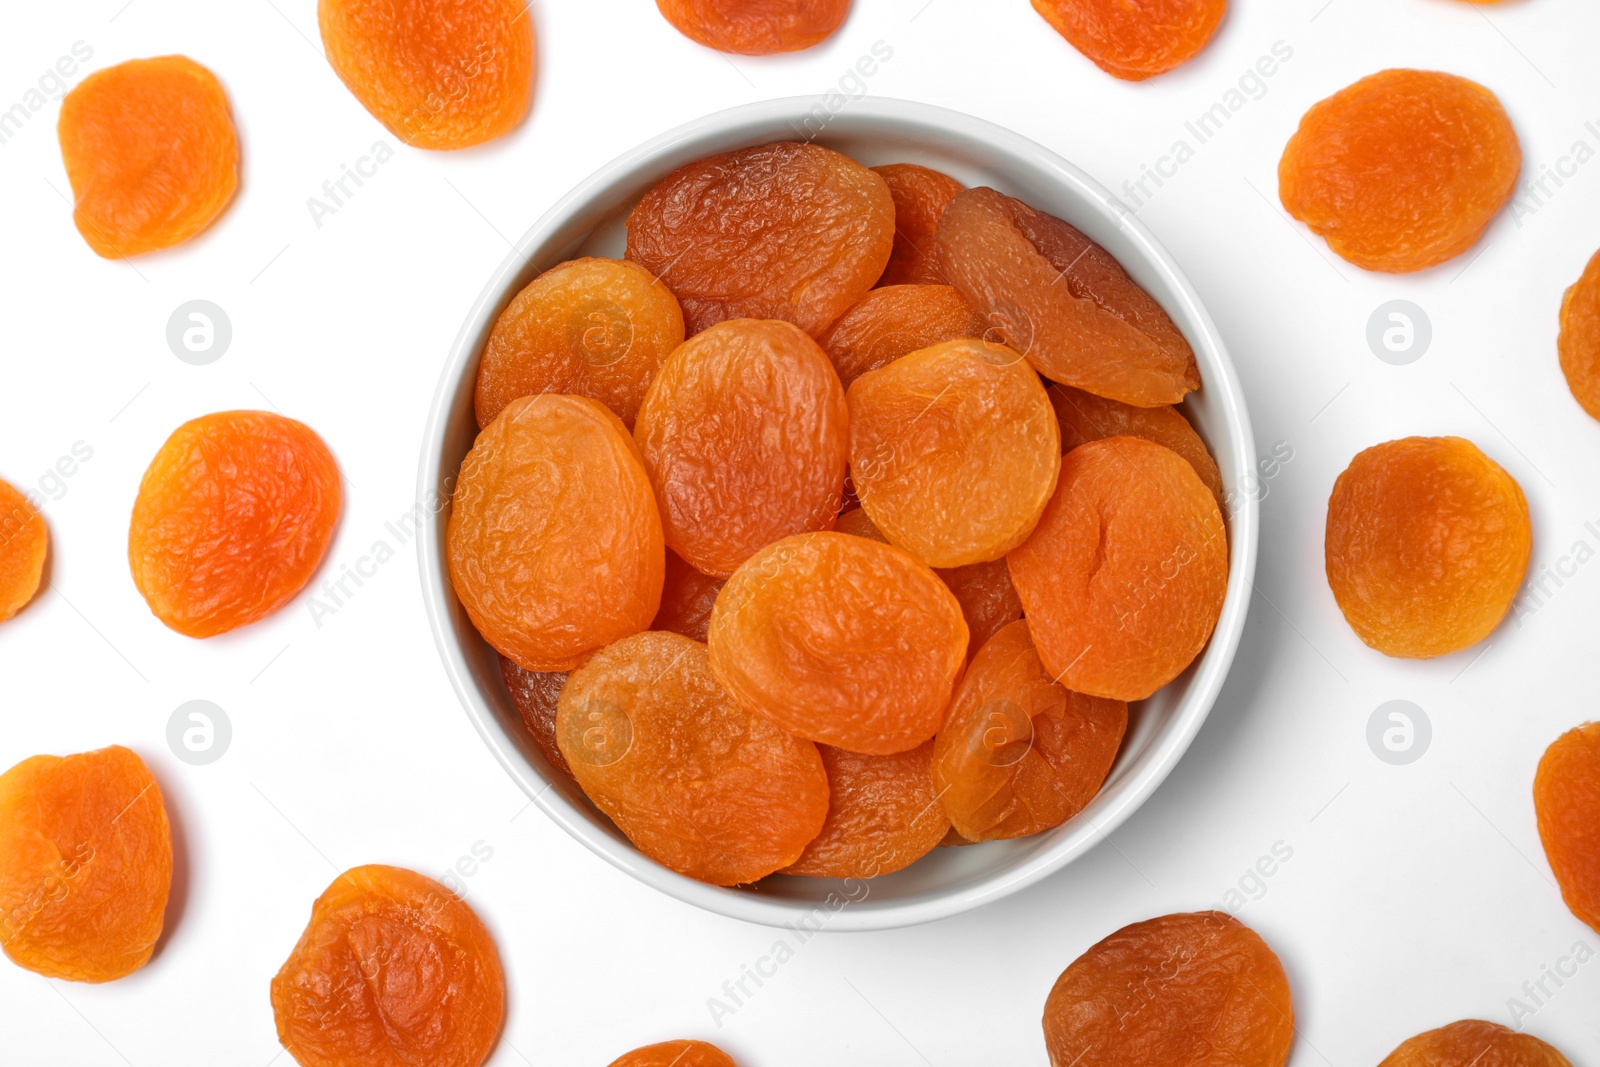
[{"x": 589, "y": 221}]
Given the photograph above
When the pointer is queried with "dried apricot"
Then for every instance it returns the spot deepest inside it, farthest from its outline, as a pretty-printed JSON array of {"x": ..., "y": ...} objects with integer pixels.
[
  {"x": 954, "y": 451},
  {"x": 1123, "y": 580},
  {"x": 393, "y": 968},
  {"x": 436, "y": 73},
  {"x": 1427, "y": 543},
  {"x": 687, "y": 597},
  {"x": 151, "y": 153},
  {"x": 894, "y": 321},
  {"x": 786, "y": 231},
  {"x": 697, "y": 782},
  {"x": 675, "y": 1053},
  {"x": 755, "y": 27},
  {"x": 554, "y": 539},
  {"x": 745, "y": 434},
  {"x": 1474, "y": 1043},
  {"x": 24, "y": 543},
  {"x": 232, "y": 518},
  {"x": 535, "y": 694},
  {"x": 1063, "y": 301},
  {"x": 593, "y": 327},
  {"x": 840, "y": 640},
  {"x": 85, "y": 864},
  {"x": 1402, "y": 170},
  {"x": 1019, "y": 754},
  {"x": 1085, "y": 417},
  {"x": 1135, "y": 39},
  {"x": 883, "y": 815},
  {"x": 1579, "y": 343},
  {"x": 1566, "y": 795},
  {"x": 1194, "y": 990},
  {"x": 920, "y": 196}
]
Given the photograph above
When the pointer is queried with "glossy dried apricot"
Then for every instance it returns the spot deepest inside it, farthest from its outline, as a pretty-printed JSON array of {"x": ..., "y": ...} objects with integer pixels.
[
  {"x": 1123, "y": 580},
  {"x": 1085, "y": 417},
  {"x": 755, "y": 27},
  {"x": 535, "y": 694},
  {"x": 883, "y": 815},
  {"x": 1063, "y": 301},
  {"x": 1402, "y": 170},
  {"x": 745, "y": 434},
  {"x": 920, "y": 196},
  {"x": 1427, "y": 543},
  {"x": 954, "y": 451},
  {"x": 592, "y": 327},
  {"x": 554, "y": 539},
  {"x": 233, "y": 516},
  {"x": 436, "y": 73},
  {"x": 24, "y": 543},
  {"x": 1579, "y": 342},
  {"x": 1474, "y": 1043},
  {"x": 85, "y": 864},
  {"x": 151, "y": 154},
  {"x": 1017, "y": 753},
  {"x": 786, "y": 231},
  {"x": 840, "y": 640},
  {"x": 1566, "y": 795},
  {"x": 1135, "y": 39},
  {"x": 675, "y": 1053},
  {"x": 895, "y": 321},
  {"x": 698, "y": 783},
  {"x": 393, "y": 968},
  {"x": 687, "y": 597}
]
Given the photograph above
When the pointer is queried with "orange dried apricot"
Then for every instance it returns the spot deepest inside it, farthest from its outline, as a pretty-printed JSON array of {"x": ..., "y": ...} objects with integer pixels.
[
  {"x": 786, "y": 231},
  {"x": 1566, "y": 795},
  {"x": 233, "y": 516},
  {"x": 535, "y": 694},
  {"x": 1474, "y": 1043},
  {"x": 437, "y": 73},
  {"x": 841, "y": 640},
  {"x": 554, "y": 540},
  {"x": 393, "y": 968},
  {"x": 1085, "y": 417},
  {"x": 697, "y": 782},
  {"x": 920, "y": 196},
  {"x": 883, "y": 815},
  {"x": 85, "y": 864},
  {"x": 1579, "y": 342},
  {"x": 1175, "y": 991},
  {"x": 895, "y": 321},
  {"x": 755, "y": 27},
  {"x": 593, "y": 327},
  {"x": 745, "y": 434},
  {"x": 24, "y": 543},
  {"x": 1123, "y": 580},
  {"x": 151, "y": 154},
  {"x": 1063, "y": 301},
  {"x": 675, "y": 1053},
  {"x": 1135, "y": 39},
  {"x": 954, "y": 451},
  {"x": 1402, "y": 170},
  {"x": 687, "y": 597},
  {"x": 1019, "y": 754},
  {"x": 1427, "y": 543}
]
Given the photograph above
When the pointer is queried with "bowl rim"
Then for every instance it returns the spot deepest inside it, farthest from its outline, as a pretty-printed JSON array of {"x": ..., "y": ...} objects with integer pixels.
[{"x": 1114, "y": 805}]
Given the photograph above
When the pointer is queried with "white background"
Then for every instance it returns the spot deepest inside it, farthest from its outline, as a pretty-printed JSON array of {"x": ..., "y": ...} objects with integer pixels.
[{"x": 1416, "y": 895}]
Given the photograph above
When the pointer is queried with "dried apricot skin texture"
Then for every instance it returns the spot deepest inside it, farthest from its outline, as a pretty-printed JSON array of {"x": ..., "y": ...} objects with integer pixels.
[
  {"x": 535, "y": 694},
  {"x": 687, "y": 597},
  {"x": 554, "y": 540},
  {"x": 24, "y": 544},
  {"x": 1192, "y": 990},
  {"x": 699, "y": 784},
  {"x": 883, "y": 815},
  {"x": 1579, "y": 342},
  {"x": 234, "y": 514},
  {"x": 841, "y": 640},
  {"x": 1427, "y": 543},
  {"x": 786, "y": 231},
  {"x": 85, "y": 864},
  {"x": 1474, "y": 1043},
  {"x": 1402, "y": 170},
  {"x": 745, "y": 434},
  {"x": 592, "y": 327},
  {"x": 1123, "y": 580},
  {"x": 1085, "y": 417},
  {"x": 756, "y": 27},
  {"x": 675, "y": 1053},
  {"x": 1135, "y": 39},
  {"x": 437, "y": 73},
  {"x": 894, "y": 321},
  {"x": 920, "y": 196},
  {"x": 392, "y": 969},
  {"x": 1566, "y": 795},
  {"x": 151, "y": 153},
  {"x": 1063, "y": 301}
]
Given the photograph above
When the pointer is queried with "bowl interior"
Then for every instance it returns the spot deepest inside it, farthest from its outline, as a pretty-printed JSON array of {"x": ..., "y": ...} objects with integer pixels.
[{"x": 590, "y": 221}]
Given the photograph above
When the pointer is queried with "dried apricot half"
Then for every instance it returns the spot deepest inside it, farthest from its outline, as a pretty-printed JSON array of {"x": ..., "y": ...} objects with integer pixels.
[
  {"x": 687, "y": 597},
  {"x": 755, "y": 27},
  {"x": 883, "y": 815},
  {"x": 894, "y": 321},
  {"x": 24, "y": 543},
  {"x": 675, "y": 1053},
  {"x": 1427, "y": 543},
  {"x": 920, "y": 196},
  {"x": 1177, "y": 991},
  {"x": 699, "y": 783},
  {"x": 1579, "y": 342},
  {"x": 233, "y": 516},
  {"x": 151, "y": 154},
  {"x": 85, "y": 864},
  {"x": 535, "y": 694},
  {"x": 1402, "y": 170},
  {"x": 1135, "y": 39},
  {"x": 1566, "y": 795},
  {"x": 1085, "y": 417},
  {"x": 1474, "y": 1043},
  {"x": 393, "y": 968}
]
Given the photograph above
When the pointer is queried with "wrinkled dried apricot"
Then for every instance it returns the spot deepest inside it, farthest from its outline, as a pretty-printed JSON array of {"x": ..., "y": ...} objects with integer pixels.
[
  {"x": 1085, "y": 417},
  {"x": 1474, "y": 1043},
  {"x": 675, "y": 1053},
  {"x": 535, "y": 694},
  {"x": 1123, "y": 580},
  {"x": 393, "y": 968},
  {"x": 1017, "y": 753},
  {"x": 954, "y": 451},
  {"x": 745, "y": 434},
  {"x": 1063, "y": 301},
  {"x": 1566, "y": 795},
  {"x": 687, "y": 597},
  {"x": 436, "y": 73},
  {"x": 1579, "y": 342},
  {"x": 233, "y": 516},
  {"x": 1427, "y": 543},
  {"x": 920, "y": 196},
  {"x": 756, "y": 27},
  {"x": 24, "y": 543},
  {"x": 697, "y": 782},
  {"x": 786, "y": 231},
  {"x": 85, "y": 864},
  {"x": 151, "y": 154},
  {"x": 593, "y": 327},
  {"x": 1402, "y": 170},
  {"x": 554, "y": 539},
  {"x": 1135, "y": 39},
  {"x": 1176, "y": 991},
  {"x": 883, "y": 815},
  {"x": 840, "y": 640},
  {"x": 894, "y": 321}
]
